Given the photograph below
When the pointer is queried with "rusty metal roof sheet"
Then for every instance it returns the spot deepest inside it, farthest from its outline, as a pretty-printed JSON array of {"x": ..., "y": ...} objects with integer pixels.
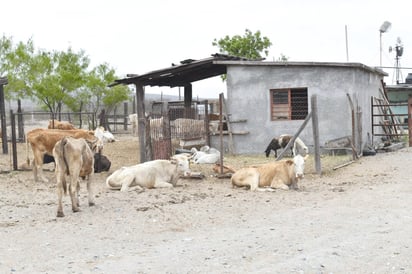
[{"x": 182, "y": 74}]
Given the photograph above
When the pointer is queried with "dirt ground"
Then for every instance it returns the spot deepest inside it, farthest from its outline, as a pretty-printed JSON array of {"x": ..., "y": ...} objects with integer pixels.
[{"x": 356, "y": 219}]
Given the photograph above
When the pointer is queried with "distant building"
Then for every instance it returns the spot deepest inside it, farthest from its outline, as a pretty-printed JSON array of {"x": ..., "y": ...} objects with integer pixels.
[{"x": 399, "y": 94}]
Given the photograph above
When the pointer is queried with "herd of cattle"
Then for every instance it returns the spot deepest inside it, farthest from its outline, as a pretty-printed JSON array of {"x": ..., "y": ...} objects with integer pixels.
[{"x": 78, "y": 153}]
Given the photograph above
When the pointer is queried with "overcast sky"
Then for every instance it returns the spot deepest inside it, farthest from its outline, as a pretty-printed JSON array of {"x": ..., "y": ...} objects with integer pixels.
[{"x": 140, "y": 36}]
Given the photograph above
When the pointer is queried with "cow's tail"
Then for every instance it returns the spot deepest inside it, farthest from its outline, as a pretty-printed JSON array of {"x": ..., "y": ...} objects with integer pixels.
[
  {"x": 27, "y": 151},
  {"x": 62, "y": 145},
  {"x": 62, "y": 153}
]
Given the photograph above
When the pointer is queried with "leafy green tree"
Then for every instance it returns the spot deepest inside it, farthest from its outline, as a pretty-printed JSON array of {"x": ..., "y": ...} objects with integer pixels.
[
  {"x": 6, "y": 47},
  {"x": 250, "y": 45},
  {"x": 15, "y": 64},
  {"x": 116, "y": 95},
  {"x": 98, "y": 93},
  {"x": 57, "y": 76}
]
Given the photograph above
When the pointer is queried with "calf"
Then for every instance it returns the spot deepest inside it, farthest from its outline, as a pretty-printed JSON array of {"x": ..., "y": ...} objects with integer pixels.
[
  {"x": 101, "y": 163},
  {"x": 74, "y": 158},
  {"x": 298, "y": 146},
  {"x": 277, "y": 143},
  {"x": 281, "y": 174},
  {"x": 151, "y": 174},
  {"x": 206, "y": 155}
]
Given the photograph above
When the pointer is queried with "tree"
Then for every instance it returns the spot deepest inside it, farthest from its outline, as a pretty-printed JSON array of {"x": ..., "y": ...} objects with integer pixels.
[
  {"x": 6, "y": 47},
  {"x": 250, "y": 45},
  {"x": 57, "y": 76},
  {"x": 98, "y": 92},
  {"x": 15, "y": 64}
]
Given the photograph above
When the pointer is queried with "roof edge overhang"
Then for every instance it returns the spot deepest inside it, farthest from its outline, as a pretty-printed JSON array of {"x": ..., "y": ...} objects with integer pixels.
[{"x": 376, "y": 70}]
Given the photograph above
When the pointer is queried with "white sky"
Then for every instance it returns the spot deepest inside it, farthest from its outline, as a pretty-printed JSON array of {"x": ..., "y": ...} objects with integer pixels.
[{"x": 140, "y": 36}]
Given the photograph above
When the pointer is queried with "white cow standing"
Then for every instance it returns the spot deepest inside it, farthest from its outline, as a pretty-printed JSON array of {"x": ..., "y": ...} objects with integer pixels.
[
  {"x": 151, "y": 174},
  {"x": 133, "y": 121}
]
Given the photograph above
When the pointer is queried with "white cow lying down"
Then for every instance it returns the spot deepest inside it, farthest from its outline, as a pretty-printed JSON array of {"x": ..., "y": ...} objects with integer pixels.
[
  {"x": 151, "y": 174},
  {"x": 206, "y": 155},
  {"x": 280, "y": 174}
]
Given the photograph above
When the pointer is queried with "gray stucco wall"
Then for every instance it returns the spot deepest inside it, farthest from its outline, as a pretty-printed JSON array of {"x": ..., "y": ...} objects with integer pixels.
[{"x": 248, "y": 97}]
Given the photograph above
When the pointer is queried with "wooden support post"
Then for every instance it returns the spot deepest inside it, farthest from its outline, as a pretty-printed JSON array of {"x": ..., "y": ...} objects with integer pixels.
[
  {"x": 188, "y": 101},
  {"x": 229, "y": 127},
  {"x": 141, "y": 124},
  {"x": 125, "y": 111}
]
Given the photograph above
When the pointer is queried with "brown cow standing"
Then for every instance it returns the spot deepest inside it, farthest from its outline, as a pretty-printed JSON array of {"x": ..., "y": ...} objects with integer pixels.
[
  {"x": 42, "y": 142},
  {"x": 55, "y": 124},
  {"x": 75, "y": 159}
]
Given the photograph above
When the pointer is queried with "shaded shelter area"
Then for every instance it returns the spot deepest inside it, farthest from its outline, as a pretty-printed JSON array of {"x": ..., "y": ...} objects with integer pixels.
[{"x": 178, "y": 75}]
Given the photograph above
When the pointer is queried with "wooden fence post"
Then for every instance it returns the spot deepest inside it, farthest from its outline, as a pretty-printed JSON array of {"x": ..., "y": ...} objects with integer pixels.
[
  {"x": 126, "y": 112},
  {"x": 3, "y": 81},
  {"x": 20, "y": 125},
  {"x": 13, "y": 139},
  {"x": 410, "y": 120},
  {"x": 315, "y": 128}
]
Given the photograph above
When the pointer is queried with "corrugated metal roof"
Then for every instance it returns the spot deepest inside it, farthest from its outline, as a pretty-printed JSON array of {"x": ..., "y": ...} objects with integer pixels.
[{"x": 186, "y": 72}]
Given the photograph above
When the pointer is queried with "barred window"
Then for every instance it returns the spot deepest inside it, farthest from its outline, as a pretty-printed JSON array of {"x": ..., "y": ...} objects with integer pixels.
[{"x": 289, "y": 104}]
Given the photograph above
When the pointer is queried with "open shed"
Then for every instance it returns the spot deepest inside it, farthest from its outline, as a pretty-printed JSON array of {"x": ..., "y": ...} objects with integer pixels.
[{"x": 178, "y": 75}]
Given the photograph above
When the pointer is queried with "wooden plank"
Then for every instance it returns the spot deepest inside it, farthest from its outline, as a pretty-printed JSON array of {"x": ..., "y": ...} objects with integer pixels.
[
  {"x": 292, "y": 140},
  {"x": 225, "y": 132},
  {"x": 343, "y": 165},
  {"x": 239, "y": 121}
]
